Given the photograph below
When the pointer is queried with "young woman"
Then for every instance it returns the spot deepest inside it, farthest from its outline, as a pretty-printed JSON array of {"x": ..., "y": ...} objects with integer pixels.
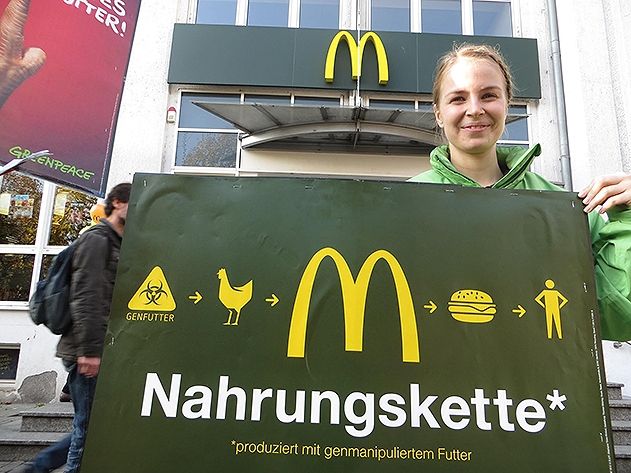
[{"x": 472, "y": 91}]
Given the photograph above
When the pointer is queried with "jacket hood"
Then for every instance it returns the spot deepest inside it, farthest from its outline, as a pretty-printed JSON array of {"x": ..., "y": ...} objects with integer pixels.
[{"x": 516, "y": 159}]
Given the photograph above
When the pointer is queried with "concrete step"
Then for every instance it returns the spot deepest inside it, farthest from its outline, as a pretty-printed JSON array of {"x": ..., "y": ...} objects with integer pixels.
[
  {"x": 623, "y": 458},
  {"x": 17, "y": 466},
  {"x": 22, "y": 446},
  {"x": 54, "y": 417},
  {"x": 621, "y": 432},
  {"x": 620, "y": 409},
  {"x": 16, "y": 444},
  {"x": 614, "y": 391}
]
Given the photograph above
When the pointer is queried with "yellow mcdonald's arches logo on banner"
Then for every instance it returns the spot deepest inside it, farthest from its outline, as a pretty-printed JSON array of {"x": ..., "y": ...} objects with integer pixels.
[
  {"x": 354, "y": 299},
  {"x": 153, "y": 294},
  {"x": 356, "y": 53}
]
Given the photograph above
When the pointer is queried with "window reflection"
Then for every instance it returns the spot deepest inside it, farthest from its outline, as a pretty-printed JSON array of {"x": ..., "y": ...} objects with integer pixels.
[
  {"x": 441, "y": 16},
  {"x": 391, "y": 104},
  {"x": 517, "y": 130},
  {"x": 193, "y": 116},
  {"x": 390, "y": 15},
  {"x": 492, "y": 18},
  {"x": 20, "y": 200},
  {"x": 268, "y": 12},
  {"x": 267, "y": 99},
  {"x": 216, "y": 12},
  {"x": 313, "y": 101},
  {"x": 320, "y": 14},
  {"x": 15, "y": 276},
  {"x": 47, "y": 261},
  {"x": 206, "y": 149},
  {"x": 71, "y": 213}
]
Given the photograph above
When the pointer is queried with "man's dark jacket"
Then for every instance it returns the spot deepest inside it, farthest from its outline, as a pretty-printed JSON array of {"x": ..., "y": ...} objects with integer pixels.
[{"x": 94, "y": 266}]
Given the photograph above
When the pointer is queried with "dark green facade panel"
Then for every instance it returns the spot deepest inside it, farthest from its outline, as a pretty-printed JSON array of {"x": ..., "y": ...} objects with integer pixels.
[
  {"x": 295, "y": 58},
  {"x": 218, "y": 55}
]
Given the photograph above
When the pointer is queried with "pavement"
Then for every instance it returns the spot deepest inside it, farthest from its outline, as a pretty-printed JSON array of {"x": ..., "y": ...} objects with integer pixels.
[{"x": 10, "y": 422}]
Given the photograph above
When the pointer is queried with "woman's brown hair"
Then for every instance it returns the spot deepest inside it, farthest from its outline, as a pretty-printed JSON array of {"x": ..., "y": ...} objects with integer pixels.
[{"x": 474, "y": 51}]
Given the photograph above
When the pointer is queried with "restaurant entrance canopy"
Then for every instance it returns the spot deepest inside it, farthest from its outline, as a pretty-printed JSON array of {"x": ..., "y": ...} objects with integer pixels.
[{"x": 331, "y": 128}]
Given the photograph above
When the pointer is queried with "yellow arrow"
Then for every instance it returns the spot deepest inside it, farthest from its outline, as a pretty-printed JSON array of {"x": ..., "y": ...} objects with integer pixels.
[
  {"x": 431, "y": 306},
  {"x": 195, "y": 297},
  {"x": 519, "y": 310},
  {"x": 273, "y": 300}
]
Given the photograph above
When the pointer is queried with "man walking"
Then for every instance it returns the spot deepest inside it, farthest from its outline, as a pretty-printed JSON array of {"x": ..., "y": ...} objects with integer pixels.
[{"x": 94, "y": 265}]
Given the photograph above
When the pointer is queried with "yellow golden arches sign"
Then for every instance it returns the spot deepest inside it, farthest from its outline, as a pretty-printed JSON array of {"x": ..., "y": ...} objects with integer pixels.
[
  {"x": 356, "y": 53},
  {"x": 354, "y": 300}
]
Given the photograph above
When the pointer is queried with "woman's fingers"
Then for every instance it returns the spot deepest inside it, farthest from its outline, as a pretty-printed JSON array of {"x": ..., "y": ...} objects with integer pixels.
[{"x": 607, "y": 192}]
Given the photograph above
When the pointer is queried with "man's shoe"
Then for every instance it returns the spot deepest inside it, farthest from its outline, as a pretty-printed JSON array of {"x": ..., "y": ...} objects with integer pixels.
[{"x": 65, "y": 397}]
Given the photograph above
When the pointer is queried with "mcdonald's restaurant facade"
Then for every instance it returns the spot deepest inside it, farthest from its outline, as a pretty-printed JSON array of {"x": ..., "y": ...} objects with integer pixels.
[{"x": 342, "y": 88}]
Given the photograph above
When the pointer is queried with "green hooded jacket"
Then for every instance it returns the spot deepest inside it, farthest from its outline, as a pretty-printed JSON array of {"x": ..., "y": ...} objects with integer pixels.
[{"x": 611, "y": 241}]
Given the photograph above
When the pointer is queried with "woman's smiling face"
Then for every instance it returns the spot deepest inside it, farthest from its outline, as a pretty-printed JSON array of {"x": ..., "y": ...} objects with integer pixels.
[{"x": 472, "y": 106}]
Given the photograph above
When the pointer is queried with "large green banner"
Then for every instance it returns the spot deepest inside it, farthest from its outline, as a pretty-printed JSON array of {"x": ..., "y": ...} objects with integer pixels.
[{"x": 271, "y": 324}]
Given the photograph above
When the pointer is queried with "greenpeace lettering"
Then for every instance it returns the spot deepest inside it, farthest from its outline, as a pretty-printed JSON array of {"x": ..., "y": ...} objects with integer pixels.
[
  {"x": 356, "y": 53},
  {"x": 354, "y": 299},
  {"x": 391, "y": 410}
]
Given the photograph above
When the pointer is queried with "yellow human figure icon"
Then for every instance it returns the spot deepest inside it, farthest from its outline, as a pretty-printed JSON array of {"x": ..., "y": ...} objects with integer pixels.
[{"x": 552, "y": 301}]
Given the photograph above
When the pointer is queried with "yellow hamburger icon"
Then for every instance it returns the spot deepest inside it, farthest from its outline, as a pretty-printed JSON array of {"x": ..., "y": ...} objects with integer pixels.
[{"x": 472, "y": 306}]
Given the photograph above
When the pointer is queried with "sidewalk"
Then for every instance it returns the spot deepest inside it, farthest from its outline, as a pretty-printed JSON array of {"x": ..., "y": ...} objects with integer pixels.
[{"x": 10, "y": 423}]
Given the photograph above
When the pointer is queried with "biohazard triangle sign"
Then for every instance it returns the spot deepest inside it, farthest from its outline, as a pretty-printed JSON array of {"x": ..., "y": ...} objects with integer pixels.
[{"x": 153, "y": 294}]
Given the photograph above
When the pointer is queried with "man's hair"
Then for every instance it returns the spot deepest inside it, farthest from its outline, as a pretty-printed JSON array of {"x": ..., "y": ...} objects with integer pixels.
[{"x": 119, "y": 192}]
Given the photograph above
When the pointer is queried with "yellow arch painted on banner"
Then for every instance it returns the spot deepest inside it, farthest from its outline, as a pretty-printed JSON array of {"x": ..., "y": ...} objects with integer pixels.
[
  {"x": 354, "y": 300},
  {"x": 356, "y": 54}
]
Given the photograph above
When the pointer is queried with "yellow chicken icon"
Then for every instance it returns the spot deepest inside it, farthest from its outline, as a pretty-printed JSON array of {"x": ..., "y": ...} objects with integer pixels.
[{"x": 233, "y": 298}]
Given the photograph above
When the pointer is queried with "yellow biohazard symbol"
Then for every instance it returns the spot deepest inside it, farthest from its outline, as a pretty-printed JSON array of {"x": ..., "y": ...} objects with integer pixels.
[{"x": 153, "y": 294}]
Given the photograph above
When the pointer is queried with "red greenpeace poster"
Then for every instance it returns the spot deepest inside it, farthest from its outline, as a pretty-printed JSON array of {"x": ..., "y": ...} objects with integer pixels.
[{"x": 61, "y": 85}]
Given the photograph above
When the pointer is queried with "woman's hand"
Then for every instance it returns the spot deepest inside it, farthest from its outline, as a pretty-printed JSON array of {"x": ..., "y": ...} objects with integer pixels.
[
  {"x": 607, "y": 191},
  {"x": 16, "y": 65}
]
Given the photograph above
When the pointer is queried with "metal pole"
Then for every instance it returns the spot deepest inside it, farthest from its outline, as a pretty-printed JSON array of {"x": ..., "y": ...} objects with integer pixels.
[{"x": 557, "y": 76}]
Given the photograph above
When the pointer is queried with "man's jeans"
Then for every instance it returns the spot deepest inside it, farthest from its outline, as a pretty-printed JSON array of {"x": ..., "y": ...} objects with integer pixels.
[
  {"x": 82, "y": 392},
  {"x": 53, "y": 457},
  {"x": 70, "y": 449}
]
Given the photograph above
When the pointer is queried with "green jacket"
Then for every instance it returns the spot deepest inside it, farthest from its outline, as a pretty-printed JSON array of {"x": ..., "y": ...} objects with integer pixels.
[{"x": 611, "y": 241}]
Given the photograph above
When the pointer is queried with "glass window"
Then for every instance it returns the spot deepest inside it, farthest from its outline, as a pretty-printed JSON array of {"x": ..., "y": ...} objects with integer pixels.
[
  {"x": 66, "y": 211},
  {"x": 268, "y": 99},
  {"x": 441, "y": 16},
  {"x": 216, "y": 12},
  {"x": 71, "y": 213},
  {"x": 47, "y": 261},
  {"x": 268, "y": 12},
  {"x": 391, "y": 104},
  {"x": 320, "y": 14},
  {"x": 9, "y": 357},
  {"x": 492, "y": 18},
  {"x": 206, "y": 149},
  {"x": 192, "y": 116},
  {"x": 390, "y": 15},
  {"x": 517, "y": 130},
  {"x": 15, "y": 276},
  {"x": 20, "y": 199},
  {"x": 313, "y": 101}
]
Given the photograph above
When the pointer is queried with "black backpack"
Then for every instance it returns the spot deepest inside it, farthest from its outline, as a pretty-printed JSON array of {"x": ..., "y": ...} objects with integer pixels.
[{"x": 50, "y": 304}]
